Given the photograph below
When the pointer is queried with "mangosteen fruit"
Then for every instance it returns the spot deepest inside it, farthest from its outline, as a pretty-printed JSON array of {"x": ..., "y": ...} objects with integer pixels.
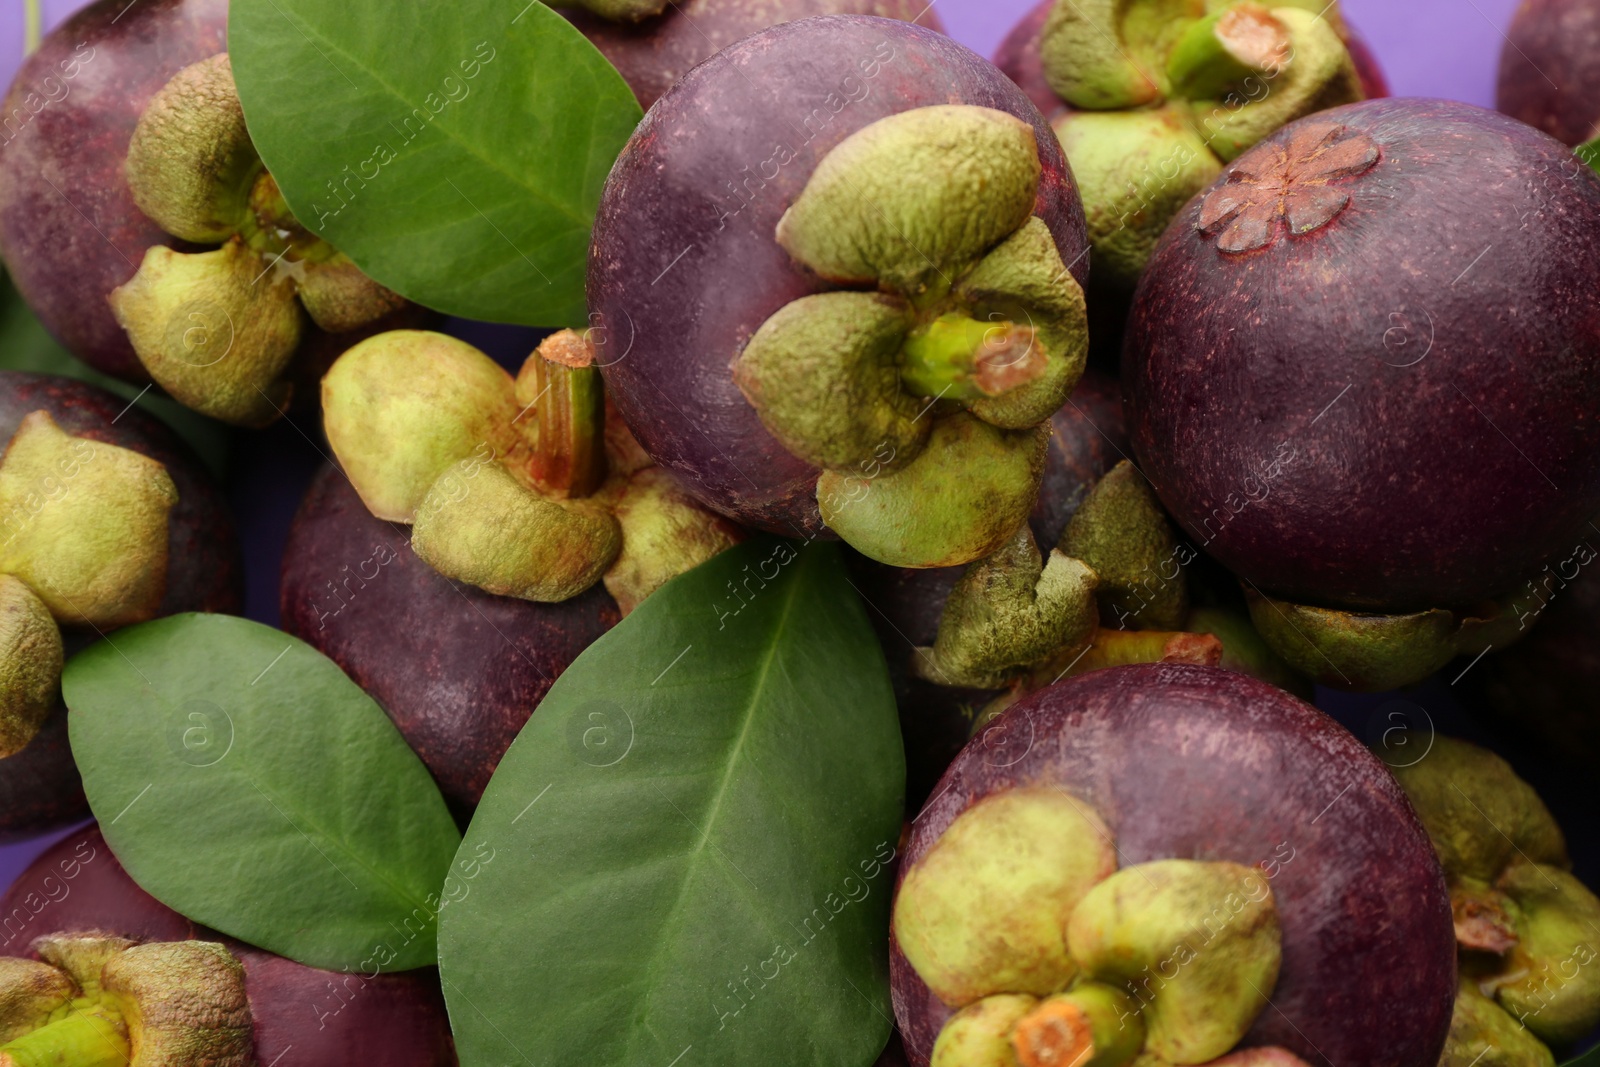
[
  {"x": 535, "y": 523},
  {"x": 105, "y": 519},
  {"x": 864, "y": 301},
  {"x": 1527, "y": 929},
  {"x": 1549, "y": 70},
  {"x": 142, "y": 228},
  {"x": 97, "y": 972},
  {"x": 1170, "y": 864},
  {"x": 656, "y": 49},
  {"x": 1151, "y": 98},
  {"x": 1383, "y": 455}
]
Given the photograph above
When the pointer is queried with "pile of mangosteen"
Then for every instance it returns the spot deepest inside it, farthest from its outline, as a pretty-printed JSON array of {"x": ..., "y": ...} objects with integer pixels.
[{"x": 1163, "y": 380}]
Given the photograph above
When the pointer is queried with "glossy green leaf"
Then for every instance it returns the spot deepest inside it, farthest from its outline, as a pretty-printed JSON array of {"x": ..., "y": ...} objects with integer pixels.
[
  {"x": 26, "y": 345},
  {"x": 683, "y": 859},
  {"x": 1588, "y": 1059},
  {"x": 456, "y": 152},
  {"x": 1590, "y": 153},
  {"x": 244, "y": 781}
]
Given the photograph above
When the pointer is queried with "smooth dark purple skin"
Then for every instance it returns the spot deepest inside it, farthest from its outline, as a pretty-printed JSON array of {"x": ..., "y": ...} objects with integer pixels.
[
  {"x": 328, "y": 1019},
  {"x": 905, "y": 604},
  {"x": 1438, "y": 485},
  {"x": 39, "y": 786},
  {"x": 69, "y": 229},
  {"x": 679, "y": 282},
  {"x": 654, "y": 53},
  {"x": 1018, "y": 56},
  {"x": 1550, "y": 68},
  {"x": 1202, "y": 763},
  {"x": 457, "y": 669}
]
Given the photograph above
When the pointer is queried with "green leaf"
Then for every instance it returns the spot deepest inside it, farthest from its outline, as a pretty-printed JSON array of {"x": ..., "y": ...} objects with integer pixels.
[
  {"x": 687, "y": 846},
  {"x": 26, "y": 345},
  {"x": 455, "y": 152},
  {"x": 244, "y": 781},
  {"x": 1588, "y": 1059},
  {"x": 1590, "y": 153}
]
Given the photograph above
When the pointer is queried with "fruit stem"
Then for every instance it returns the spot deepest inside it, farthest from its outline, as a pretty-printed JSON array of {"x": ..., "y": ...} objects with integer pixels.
[
  {"x": 563, "y": 416},
  {"x": 957, "y": 357},
  {"x": 82, "y": 1039},
  {"x": 1225, "y": 48},
  {"x": 1093, "y": 1025}
]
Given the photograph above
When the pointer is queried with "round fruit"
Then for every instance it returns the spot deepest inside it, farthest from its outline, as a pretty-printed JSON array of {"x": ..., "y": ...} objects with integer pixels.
[{"x": 1549, "y": 74}]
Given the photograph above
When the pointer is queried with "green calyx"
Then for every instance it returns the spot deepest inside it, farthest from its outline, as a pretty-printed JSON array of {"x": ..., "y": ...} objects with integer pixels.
[
  {"x": 219, "y": 329},
  {"x": 85, "y": 524},
  {"x": 1214, "y": 926},
  {"x": 191, "y": 164},
  {"x": 1008, "y": 612},
  {"x": 1528, "y": 930},
  {"x": 620, "y": 10},
  {"x": 1368, "y": 652},
  {"x": 1091, "y": 1025},
  {"x": 961, "y": 499},
  {"x": 1121, "y": 532},
  {"x": 984, "y": 911},
  {"x": 503, "y": 481},
  {"x": 979, "y": 1035},
  {"x": 974, "y": 310},
  {"x": 100, "y": 1001},
  {"x": 1483, "y": 1034},
  {"x": 214, "y": 329},
  {"x": 1163, "y": 92},
  {"x": 31, "y": 657}
]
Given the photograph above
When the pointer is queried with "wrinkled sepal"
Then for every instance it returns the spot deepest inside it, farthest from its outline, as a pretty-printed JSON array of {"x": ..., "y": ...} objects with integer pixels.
[
  {"x": 499, "y": 535},
  {"x": 190, "y": 163},
  {"x": 1121, "y": 532},
  {"x": 665, "y": 532},
  {"x": 1552, "y": 982},
  {"x": 1093, "y": 62},
  {"x": 31, "y": 656},
  {"x": 30, "y": 994},
  {"x": 215, "y": 329},
  {"x": 1353, "y": 650},
  {"x": 911, "y": 200},
  {"x": 961, "y": 499},
  {"x": 1008, "y": 612},
  {"x": 1483, "y": 1034},
  {"x": 85, "y": 524},
  {"x": 339, "y": 298},
  {"x": 407, "y": 407},
  {"x": 184, "y": 1003}
]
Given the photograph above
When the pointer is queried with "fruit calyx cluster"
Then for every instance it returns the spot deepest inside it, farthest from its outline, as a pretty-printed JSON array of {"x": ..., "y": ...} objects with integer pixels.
[
  {"x": 219, "y": 329},
  {"x": 1020, "y": 920},
  {"x": 922, "y": 386},
  {"x": 83, "y": 542},
  {"x": 96, "y": 1000},
  {"x": 1527, "y": 930},
  {"x": 522, "y": 487},
  {"x": 1162, "y": 93}
]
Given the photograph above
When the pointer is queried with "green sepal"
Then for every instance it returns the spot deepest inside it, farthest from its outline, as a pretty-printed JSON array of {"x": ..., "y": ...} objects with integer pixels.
[
  {"x": 1552, "y": 985},
  {"x": 31, "y": 655},
  {"x": 1008, "y": 612},
  {"x": 1354, "y": 650},
  {"x": 1121, "y": 532},
  {"x": 1095, "y": 56},
  {"x": 1483, "y": 1034},
  {"x": 960, "y": 500}
]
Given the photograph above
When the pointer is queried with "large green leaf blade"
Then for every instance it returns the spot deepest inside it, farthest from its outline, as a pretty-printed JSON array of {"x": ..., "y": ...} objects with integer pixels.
[
  {"x": 456, "y": 153},
  {"x": 244, "y": 781},
  {"x": 690, "y": 839}
]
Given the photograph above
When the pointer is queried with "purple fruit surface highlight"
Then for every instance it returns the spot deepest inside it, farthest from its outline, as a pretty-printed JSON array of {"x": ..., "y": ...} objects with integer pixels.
[
  {"x": 198, "y": 567},
  {"x": 457, "y": 669},
  {"x": 76, "y": 893},
  {"x": 654, "y": 52},
  {"x": 1550, "y": 69},
  {"x": 780, "y": 129},
  {"x": 1379, "y": 454},
  {"x": 133, "y": 162},
  {"x": 1129, "y": 785}
]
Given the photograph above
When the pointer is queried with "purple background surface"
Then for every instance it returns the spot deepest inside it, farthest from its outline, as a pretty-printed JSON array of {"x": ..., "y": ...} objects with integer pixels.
[{"x": 1445, "y": 48}]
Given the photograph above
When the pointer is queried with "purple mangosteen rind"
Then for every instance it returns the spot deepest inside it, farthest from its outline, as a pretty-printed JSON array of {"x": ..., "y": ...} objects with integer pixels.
[
  {"x": 654, "y": 52},
  {"x": 1205, "y": 764},
  {"x": 1549, "y": 74},
  {"x": 77, "y": 887},
  {"x": 457, "y": 669},
  {"x": 732, "y": 148},
  {"x": 39, "y": 785},
  {"x": 1296, "y": 486}
]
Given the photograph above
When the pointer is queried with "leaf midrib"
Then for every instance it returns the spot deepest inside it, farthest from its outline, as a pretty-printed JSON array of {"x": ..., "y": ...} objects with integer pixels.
[
  {"x": 673, "y": 920},
  {"x": 575, "y": 216}
]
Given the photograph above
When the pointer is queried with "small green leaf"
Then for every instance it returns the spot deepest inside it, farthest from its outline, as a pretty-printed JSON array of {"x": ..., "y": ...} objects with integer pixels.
[
  {"x": 1590, "y": 153},
  {"x": 25, "y": 345},
  {"x": 689, "y": 842},
  {"x": 456, "y": 153},
  {"x": 244, "y": 781}
]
